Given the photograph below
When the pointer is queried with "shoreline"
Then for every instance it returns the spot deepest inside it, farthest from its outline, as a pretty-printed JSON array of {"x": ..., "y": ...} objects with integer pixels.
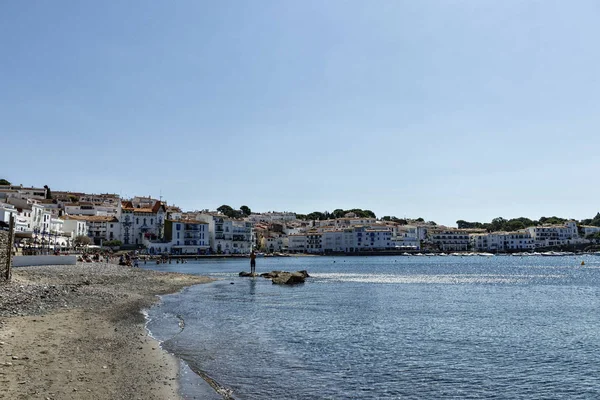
[{"x": 78, "y": 332}]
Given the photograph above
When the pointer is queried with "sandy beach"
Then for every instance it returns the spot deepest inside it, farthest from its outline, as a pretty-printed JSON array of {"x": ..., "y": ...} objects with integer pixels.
[{"x": 77, "y": 332}]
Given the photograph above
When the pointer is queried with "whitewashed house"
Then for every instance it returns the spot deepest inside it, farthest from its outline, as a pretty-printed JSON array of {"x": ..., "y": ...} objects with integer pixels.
[
  {"x": 451, "y": 239},
  {"x": 314, "y": 242},
  {"x": 589, "y": 230},
  {"x": 406, "y": 237},
  {"x": 73, "y": 228},
  {"x": 221, "y": 231},
  {"x": 242, "y": 236},
  {"x": 555, "y": 235},
  {"x": 100, "y": 228},
  {"x": 297, "y": 242},
  {"x": 274, "y": 243},
  {"x": 502, "y": 241},
  {"x": 140, "y": 223},
  {"x": 182, "y": 237},
  {"x": 339, "y": 240}
]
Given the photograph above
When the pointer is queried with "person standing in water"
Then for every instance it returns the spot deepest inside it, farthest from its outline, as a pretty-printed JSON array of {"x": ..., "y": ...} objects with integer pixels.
[{"x": 252, "y": 262}]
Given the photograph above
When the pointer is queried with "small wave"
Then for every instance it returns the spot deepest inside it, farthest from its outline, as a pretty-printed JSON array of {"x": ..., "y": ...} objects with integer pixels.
[
  {"x": 148, "y": 320},
  {"x": 430, "y": 279},
  {"x": 180, "y": 325}
]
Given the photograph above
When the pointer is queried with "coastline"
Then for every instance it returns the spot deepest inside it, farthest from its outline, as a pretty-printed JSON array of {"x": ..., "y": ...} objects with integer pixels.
[{"x": 78, "y": 332}]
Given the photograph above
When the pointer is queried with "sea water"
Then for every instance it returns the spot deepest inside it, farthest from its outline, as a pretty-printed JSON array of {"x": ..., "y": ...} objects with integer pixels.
[{"x": 501, "y": 327}]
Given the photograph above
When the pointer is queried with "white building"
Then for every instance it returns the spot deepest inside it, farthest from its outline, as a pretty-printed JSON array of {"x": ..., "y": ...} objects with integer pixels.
[
  {"x": 273, "y": 216},
  {"x": 6, "y": 211},
  {"x": 274, "y": 243},
  {"x": 41, "y": 219},
  {"x": 182, "y": 237},
  {"x": 100, "y": 228},
  {"x": 339, "y": 240},
  {"x": 502, "y": 241},
  {"x": 451, "y": 239},
  {"x": 589, "y": 230},
  {"x": 242, "y": 236},
  {"x": 139, "y": 224},
  {"x": 221, "y": 232},
  {"x": 18, "y": 191},
  {"x": 314, "y": 242},
  {"x": 297, "y": 243},
  {"x": 407, "y": 237},
  {"x": 21, "y": 222},
  {"x": 373, "y": 238},
  {"x": 520, "y": 240},
  {"x": 88, "y": 208},
  {"x": 555, "y": 235},
  {"x": 73, "y": 228},
  {"x": 487, "y": 242},
  {"x": 346, "y": 222}
]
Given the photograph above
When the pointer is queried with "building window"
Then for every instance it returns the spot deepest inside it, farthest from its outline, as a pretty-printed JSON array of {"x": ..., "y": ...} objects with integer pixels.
[
  {"x": 137, "y": 221},
  {"x": 144, "y": 221},
  {"x": 178, "y": 227},
  {"x": 151, "y": 221}
]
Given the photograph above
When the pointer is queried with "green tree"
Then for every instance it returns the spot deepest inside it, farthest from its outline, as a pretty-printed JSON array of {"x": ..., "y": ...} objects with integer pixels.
[
  {"x": 462, "y": 224},
  {"x": 225, "y": 209},
  {"x": 552, "y": 220},
  {"x": 82, "y": 240},
  {"x": 513, "y": 225},
  {"x": 369, "y": 214},
  {"x": 245, "y": 210},
  {"x": 4, "y": 182},
  {"x": 497, "y": 224},
  {"x": 338, "y": 213},
  {"x": 229, "y": 212},
  {"x": 48, "y": 192},
  {"x": 316, "y": 215}
]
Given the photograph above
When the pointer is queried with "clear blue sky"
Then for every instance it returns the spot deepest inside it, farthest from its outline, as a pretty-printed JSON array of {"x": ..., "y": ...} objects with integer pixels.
[{"x": 444, "y": 110}]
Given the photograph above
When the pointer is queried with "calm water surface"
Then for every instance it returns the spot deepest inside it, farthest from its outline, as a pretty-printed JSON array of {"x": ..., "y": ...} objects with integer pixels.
[{"x": 391, "y": 327}]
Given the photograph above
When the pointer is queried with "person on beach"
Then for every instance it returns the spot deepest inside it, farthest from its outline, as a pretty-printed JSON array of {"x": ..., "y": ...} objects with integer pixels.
[{"x": 252, "y": 262}]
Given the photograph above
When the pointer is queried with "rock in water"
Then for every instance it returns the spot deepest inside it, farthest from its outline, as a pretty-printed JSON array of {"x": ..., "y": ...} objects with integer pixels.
[
  {"x": 281, "y": 277},
  {"x": 304, "y": 273},
  {"x": 288, "y": 278},
  {"x": 271, "y": 275}
]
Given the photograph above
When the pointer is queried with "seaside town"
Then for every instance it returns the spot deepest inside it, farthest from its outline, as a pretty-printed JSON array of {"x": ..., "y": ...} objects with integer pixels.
[{"x": 48, "y": 221}]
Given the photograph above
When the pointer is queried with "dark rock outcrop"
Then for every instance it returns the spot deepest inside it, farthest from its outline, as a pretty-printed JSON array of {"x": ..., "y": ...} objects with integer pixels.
[
  {"x": 288, "y": 278},
  {"x": 304, "y": 273},
  {"x": 281, "y": 277}
]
